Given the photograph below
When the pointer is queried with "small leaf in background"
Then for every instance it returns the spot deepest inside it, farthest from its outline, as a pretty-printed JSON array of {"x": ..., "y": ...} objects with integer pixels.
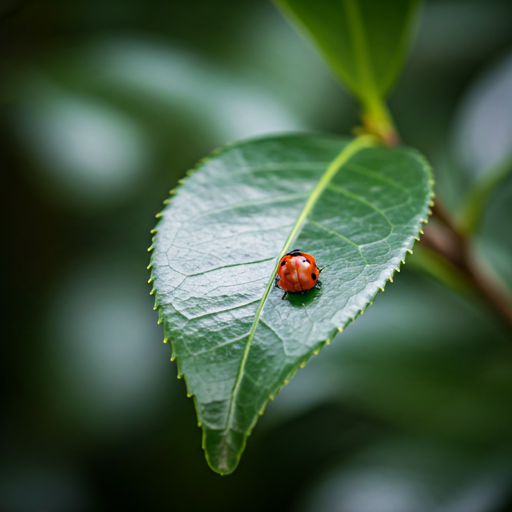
[
  {"x": 483, "y": 139},
  {"x": 365, "y": 42},
  {"x": 354, "y": 205},
  {"x": 482, "y": 132},
  {"x": 481, "y": 192}
]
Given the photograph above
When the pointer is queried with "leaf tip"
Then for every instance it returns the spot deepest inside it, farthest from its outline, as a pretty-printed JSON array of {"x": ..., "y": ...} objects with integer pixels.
[
  {"x": 158, "y": 215},
  {"x": 340, "y": 329},
  {"x": 165, "y": 341},
  {"x": 149, "y": 267},
  {"x": 173, "y": 358}
]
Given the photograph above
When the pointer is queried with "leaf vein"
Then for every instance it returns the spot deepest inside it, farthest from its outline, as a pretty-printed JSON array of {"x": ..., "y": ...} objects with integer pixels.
[
  {"x": 361, "y": 199},
  {"x": 359, "y": 169},
  {"x": 214, "y": 349},
  {"x": 240, "y": 306},
  {"x": 314, "y": 222}
]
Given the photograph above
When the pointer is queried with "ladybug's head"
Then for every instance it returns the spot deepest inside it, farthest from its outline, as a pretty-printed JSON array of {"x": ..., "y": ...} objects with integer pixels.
[{"x": 294, "y": 252}]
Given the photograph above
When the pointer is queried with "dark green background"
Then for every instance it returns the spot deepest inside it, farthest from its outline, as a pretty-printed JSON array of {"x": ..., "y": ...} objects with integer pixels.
[{"x": 104, "y": 106}]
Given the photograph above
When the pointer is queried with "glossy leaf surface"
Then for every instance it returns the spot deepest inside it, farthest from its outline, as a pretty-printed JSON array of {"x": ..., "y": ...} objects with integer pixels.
[
  {"x": 364, "y": 41},
  {"x": 352, "y": 204}
]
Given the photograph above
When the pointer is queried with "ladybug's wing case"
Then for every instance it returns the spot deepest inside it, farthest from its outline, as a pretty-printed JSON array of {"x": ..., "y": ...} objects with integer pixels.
[{"x": 281, "y": 280}]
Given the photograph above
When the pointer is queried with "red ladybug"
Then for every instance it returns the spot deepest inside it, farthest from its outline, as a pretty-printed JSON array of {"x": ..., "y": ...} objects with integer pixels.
[{"x": 297, "y": 272}]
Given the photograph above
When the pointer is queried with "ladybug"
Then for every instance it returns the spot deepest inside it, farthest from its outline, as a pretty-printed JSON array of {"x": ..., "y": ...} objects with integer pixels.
[{"x": 297, "y": 273}]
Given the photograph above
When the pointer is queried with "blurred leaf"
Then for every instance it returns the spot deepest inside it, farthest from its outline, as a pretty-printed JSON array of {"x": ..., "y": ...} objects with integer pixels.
[
  {"x": 483, "y": 128},
  {"x": 87, "y": 153},
  {"x": 163, "y": 79},
  {"x": 354, "y": 205},
  {"x": 493, "y": 241},
  {"x": 101, "y": 376},
  {"x": 481, "y": 193},
  {"x": 365, "y": 42},
  {"x": 483, "y": 138},
  {"x": 436, "y": 266},
  {"x": 412, "y": 475},
  {"x": 96, "y": 121}
]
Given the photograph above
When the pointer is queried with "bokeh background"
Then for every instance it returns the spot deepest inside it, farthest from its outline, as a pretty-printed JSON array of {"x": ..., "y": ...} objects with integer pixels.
[{"x": 103, "y": 107}]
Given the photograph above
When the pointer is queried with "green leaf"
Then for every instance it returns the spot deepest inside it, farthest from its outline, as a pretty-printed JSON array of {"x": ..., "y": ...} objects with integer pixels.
[
  {"x": 354, "y": 205},
  {"x": 364, "y": 41}
]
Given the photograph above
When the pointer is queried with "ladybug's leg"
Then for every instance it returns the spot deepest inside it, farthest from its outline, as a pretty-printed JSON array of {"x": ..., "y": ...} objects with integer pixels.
[
  {"x": 284, "y": 296},
  {"x": 276, "y": 282},
  {"x": 318, "y": 285}
]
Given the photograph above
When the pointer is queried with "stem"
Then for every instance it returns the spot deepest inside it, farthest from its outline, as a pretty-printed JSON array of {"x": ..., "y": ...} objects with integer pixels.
[
  {"x": 378, "y": 121},
  {"x": 456, "y": 247}
]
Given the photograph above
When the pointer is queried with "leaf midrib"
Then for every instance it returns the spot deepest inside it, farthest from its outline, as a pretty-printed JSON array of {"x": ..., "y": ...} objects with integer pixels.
[{"x": 358, "y": 144}]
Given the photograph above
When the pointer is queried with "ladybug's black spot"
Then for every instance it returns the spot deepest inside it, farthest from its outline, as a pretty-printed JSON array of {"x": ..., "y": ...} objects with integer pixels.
[
  {"x": 283, "y": 263},
  {"x": 313, "y": 276}
]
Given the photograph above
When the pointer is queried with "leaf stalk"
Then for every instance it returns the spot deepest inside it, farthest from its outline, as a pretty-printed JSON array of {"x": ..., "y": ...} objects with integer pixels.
[{"x": 378, "y": 121}]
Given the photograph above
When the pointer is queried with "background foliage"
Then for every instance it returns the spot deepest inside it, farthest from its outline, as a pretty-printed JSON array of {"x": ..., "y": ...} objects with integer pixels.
[{"x": 103, "y": 106}]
